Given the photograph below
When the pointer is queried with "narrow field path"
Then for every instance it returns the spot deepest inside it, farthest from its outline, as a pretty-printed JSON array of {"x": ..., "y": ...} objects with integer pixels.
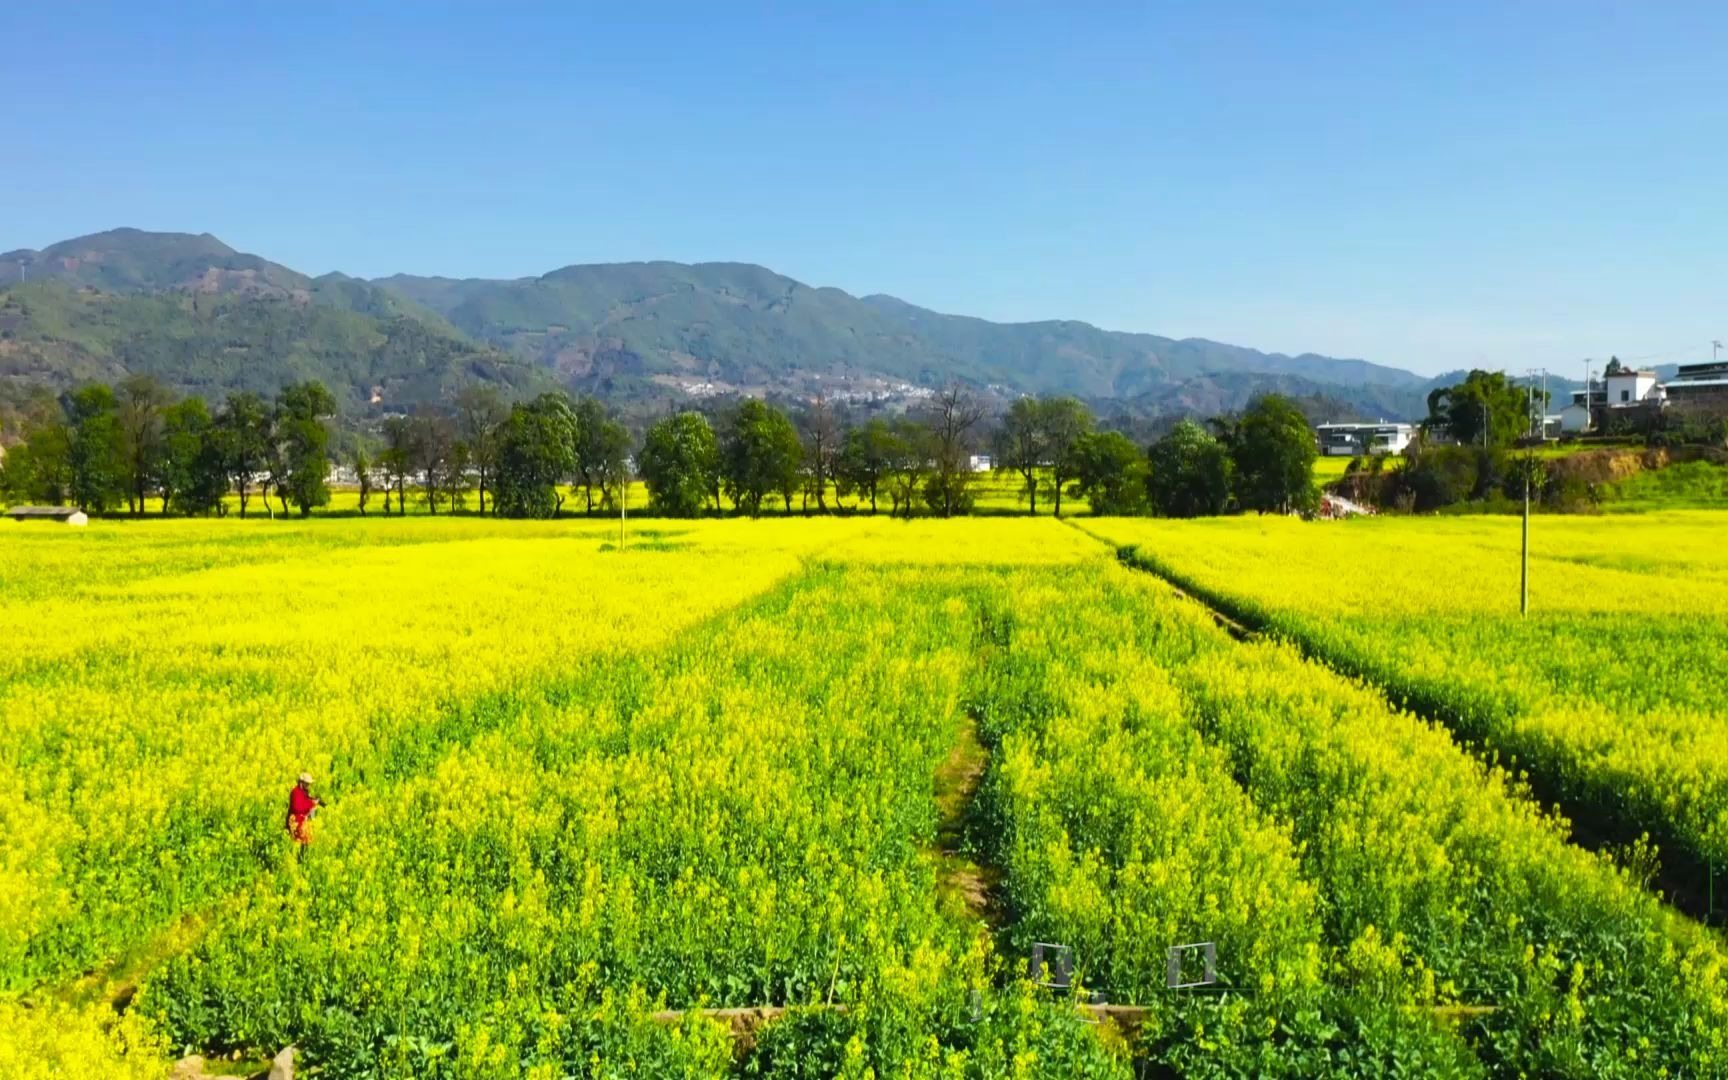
[{"x": 965, "y": 885}]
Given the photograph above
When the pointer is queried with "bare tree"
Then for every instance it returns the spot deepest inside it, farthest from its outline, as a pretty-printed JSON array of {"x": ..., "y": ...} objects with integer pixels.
[
  {"x": 822, "y": 440},
  {"x": 480, "y": 414},
  {"x": 954, "y": 414},
  {"x": 432, "y": 452},
  {"x": 363, "y": 474},
  {"x": 397, "y": 461}
]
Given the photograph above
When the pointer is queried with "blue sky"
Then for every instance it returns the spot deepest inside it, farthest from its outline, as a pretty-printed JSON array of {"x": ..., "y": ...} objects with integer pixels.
[{"x": 1425, "y": 185}]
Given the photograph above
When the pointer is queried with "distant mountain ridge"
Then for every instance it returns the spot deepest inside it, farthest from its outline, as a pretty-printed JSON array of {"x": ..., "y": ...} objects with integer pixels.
[
  {"x": 746, "y": 326},
  {"x": 127, "y": 261},
  {"x": 207, "y": 318}
]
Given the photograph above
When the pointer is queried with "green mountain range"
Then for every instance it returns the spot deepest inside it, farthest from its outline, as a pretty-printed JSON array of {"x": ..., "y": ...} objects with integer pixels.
[{"x": 208, "y": 319}]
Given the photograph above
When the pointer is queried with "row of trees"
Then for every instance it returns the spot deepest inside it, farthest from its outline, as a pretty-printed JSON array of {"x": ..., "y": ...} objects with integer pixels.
[
  {"x": 100, "y": 448},
  {"x": 759, "y": 452},
  {"x": 1262, "y": 460},
  {"x": 516, "y": 458}
]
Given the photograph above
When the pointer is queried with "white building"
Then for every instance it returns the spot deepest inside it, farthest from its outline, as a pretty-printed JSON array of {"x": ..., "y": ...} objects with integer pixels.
[
  {"x": 1631, "y": 386},
  {"x": 66, "y": 515},
  {"x": 980, "y": 462},
  {"x": 1575, "y": 418},
  {"x": 1356, "y": 440}
]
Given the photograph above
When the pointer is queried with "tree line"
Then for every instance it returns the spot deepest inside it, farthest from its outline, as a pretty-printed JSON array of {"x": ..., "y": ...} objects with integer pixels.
[
  {"x": 100, "y": 447},
  {"x": 103, "y": 448}
]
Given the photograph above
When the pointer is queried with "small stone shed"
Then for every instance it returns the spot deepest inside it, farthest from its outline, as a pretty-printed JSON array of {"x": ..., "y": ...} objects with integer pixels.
[{"x": 65, "y": 515}]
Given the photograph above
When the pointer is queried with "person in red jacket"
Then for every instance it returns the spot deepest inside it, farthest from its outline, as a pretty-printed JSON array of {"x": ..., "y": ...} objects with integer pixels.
[{"x": 301, "y": 806}]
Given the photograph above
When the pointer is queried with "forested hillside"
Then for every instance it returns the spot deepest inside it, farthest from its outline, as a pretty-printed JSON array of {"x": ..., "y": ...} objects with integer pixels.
[
  {"x": 55, "y": 335},
  {"x": 208, "y": 319},
  {"x": 733, "y": 325}
]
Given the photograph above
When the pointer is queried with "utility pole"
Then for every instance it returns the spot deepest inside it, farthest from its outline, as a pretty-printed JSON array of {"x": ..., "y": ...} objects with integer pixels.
[
  {"x": 1524, "y": 556},
  {"x": 1530, "y": 401},
  {"x": 1715, "y": 346},
  {"x": 1545, "y": 405},
  {"x": 1538, "y": 409}
]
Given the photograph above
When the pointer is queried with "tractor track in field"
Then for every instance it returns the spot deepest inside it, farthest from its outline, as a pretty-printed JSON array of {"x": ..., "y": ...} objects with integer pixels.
[{"x": 1681, "y": 882}]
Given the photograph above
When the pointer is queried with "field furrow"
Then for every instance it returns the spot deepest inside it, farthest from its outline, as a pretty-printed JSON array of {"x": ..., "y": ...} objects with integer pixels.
[
  {"x": 1147, "y": 757},
  {"x": 1608, "y": 694}
]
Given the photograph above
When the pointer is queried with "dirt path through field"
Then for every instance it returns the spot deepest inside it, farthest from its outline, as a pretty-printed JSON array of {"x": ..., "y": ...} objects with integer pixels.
[{"x": 963, "y": 881}]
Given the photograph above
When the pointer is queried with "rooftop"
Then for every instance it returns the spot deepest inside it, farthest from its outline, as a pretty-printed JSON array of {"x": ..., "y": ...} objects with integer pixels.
[{"x": 42, "y": 511}]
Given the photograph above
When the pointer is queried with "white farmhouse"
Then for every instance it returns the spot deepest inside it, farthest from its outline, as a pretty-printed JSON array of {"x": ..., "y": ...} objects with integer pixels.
[
  {"x": 1632, "y": 386},
  {"x": 1575, "y": 418},
  {"x": 1355, "y": 440}
]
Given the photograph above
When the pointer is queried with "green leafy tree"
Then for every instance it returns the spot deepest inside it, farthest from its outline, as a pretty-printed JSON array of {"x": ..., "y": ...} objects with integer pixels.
[
  {"x": 457, "y": 475},
  {"x": 274, "y": 476},
  {"x": 302, "y": 410},
  {"x": 244, "y": 424},
  {"x": 1021, "y": 446},
  {"x": 908, "y": 465},
  {"x": 211, "y": 477},
  {"x": 37, "y": 469},
  {"x": 1189, "y": 473},
  {"x": 1437, "y": 476},
  {"x": 759, "y": 456},
  {"x": 601, "y": 453},
  {"x": 1110, "y": 472},
  {"x": 867, "y": 458},
  {"x": 680, "y": 463},
  {"x": 1487, "y": 409},
  {"x": 142, "y": 401},
  {"x": 186, "y": 432},
  {"x": 95, "y": 461},
  {"x": 536, "y": 453},
  {"x": 1066, "y": 423},
  {"x": 1273, "y": 451}
]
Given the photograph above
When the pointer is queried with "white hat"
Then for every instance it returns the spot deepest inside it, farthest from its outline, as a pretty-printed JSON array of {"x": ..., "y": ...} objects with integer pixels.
[{"x": 305, "y": 778}]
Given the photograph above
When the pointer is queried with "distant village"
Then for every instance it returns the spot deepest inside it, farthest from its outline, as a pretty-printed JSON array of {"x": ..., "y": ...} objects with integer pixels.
[{"x": 1623, "y": 398}]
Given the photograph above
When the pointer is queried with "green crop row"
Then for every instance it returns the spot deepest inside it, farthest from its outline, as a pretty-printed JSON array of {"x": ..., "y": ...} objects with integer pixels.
[
  {"x": 1609, "y": 694},
  {"x": 1155, "y": 780},
  {"x": 742, "y": 818}
]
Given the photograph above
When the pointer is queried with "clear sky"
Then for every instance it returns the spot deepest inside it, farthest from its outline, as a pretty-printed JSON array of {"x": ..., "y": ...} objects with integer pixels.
[{"x": 1430, "y": 185}]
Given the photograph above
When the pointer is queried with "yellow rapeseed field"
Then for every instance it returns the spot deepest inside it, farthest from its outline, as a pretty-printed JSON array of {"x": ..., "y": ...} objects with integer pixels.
[
  {"x": 569, "y": 784},
  {"x": 1611, "y": 692}
]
